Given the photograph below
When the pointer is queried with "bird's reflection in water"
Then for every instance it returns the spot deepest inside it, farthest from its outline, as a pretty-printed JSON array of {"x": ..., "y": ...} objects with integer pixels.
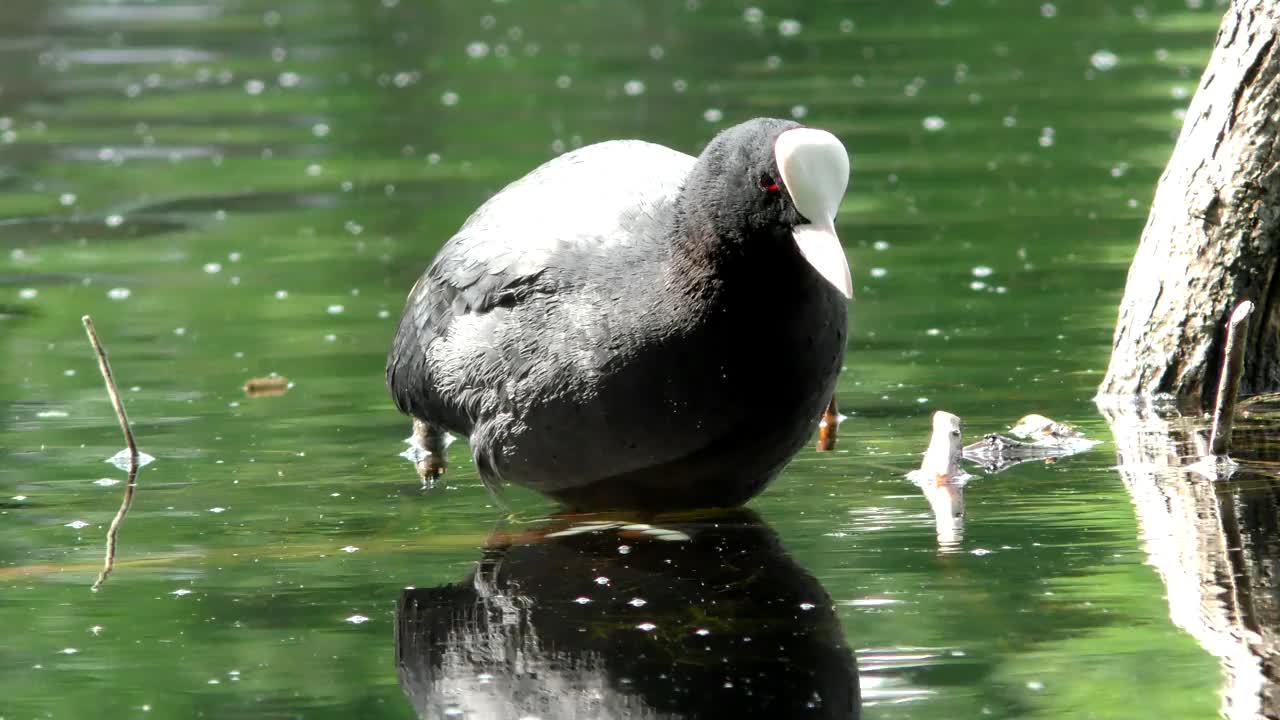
[{"x": 600, "y": 617}]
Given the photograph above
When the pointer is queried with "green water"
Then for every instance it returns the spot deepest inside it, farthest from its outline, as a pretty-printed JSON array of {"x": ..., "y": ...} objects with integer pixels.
[{"x": 240, "y": 187}]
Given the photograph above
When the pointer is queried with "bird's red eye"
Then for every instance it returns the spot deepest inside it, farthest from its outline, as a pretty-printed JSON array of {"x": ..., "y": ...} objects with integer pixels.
[{"x": 768, "y": 184}]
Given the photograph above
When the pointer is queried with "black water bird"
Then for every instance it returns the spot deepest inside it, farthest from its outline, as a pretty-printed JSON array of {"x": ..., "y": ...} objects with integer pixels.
[{"x": 628, "y": 326}]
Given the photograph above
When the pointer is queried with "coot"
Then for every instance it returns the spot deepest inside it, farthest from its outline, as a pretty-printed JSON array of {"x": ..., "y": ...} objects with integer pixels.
[{"x": 630, "y": 327}]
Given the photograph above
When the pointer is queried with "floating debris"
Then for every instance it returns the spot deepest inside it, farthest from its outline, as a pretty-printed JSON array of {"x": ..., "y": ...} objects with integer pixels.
[
  {"x": 942, "y": 479},
  {"x": 269, "y": 386},
  {"x": 1041, "y": 439}
]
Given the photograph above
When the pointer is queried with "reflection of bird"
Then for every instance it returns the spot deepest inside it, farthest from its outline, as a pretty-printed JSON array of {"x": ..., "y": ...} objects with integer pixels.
[
  {"x": 691, "y": 619},
  {"x": 629, "y": 326}
]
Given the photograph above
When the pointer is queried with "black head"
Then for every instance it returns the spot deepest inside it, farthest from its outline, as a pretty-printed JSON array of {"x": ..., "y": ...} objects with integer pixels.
[
  {"x": 771, "y": 183},
  {"x": 736, "y": 186}
]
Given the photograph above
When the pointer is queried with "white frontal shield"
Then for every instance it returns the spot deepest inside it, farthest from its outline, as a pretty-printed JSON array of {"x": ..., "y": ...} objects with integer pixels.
[{"x": 815, "y": 168}]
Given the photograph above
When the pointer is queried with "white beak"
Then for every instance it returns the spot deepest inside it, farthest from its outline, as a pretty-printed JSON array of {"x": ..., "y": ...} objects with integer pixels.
[{"x": 815, "y": 169}]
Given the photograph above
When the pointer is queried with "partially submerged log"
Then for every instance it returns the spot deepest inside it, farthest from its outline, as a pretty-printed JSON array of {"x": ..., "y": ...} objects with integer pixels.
[{"x": 1212, "y": 238}]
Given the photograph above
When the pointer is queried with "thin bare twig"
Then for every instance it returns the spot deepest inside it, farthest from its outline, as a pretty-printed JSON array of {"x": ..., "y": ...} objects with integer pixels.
[
  {"x": 112, "y": 390},
  {"x": 1224, "y": 411}
]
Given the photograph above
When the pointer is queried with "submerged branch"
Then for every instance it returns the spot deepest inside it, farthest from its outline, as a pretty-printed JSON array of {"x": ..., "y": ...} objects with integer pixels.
[
  {"x": 109, "y": 562},
  {"x": 113, "y": 392}
]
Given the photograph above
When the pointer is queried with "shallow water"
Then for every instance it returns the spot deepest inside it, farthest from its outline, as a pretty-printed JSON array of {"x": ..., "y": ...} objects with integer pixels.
[{"x": 240, "y": 188}]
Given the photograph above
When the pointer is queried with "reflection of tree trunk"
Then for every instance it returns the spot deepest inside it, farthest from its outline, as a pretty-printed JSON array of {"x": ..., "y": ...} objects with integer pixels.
[
  {"x": 1215, "y": 544},
  {"x": 1213, "y": 235}
]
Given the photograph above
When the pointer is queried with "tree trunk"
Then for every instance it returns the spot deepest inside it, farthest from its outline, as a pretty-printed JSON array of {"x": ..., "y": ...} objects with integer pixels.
[{"x": 1213, "y": 236}]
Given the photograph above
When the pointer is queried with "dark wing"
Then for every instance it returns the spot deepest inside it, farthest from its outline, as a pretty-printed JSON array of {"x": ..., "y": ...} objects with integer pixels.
[{"x": 582, "y": 203}]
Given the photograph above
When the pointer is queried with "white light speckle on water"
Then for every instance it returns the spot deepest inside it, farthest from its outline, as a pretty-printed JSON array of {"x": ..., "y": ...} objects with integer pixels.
[
  {"x": 255, "y": 87},
  {"x": 1046, "y": 137},
  {"x": 106, "y": 482},
  {"x": 702, "y": 632},
  {"x": 288, "y": 79},
  {"x": 449, "y": 98},
  {"x": 582, "y": 600},
  {"x": 112, "y": 221},
  {"x": 679, "y": 85},
  {"x": 180, "y": 592},
  {"x": 69, "y": 373},
  {"x": 282, "y": 294},
  {"x": 789, "y": 27},
  {"x": 773, "y": 62},
  {"x": 28, "y": 293},
  {"x": 753, "y": 15},
  {"x": 807, "y": 606},
  {"x": 799, "y": 111},
  {"x": 51, "y": 414},
  {"x": 350, "y": 549},
  {"x": 657, "y": 52},
  {"x": 320, "y": 130},
  {"x": 314, "y": 169},
  {"x": 119, "y": 293},
  {"x": 1035, "y": 685},
  {"x": 69, "y": 651},
  {"x": 77, "y": 524},
  {"x": 335, "y": 309},
  {"x": 67, "y": 199},
  {"x": 713, "y": 115},
  {"x": 564, "y": 82},
  {"x": 982, "y": 271},
  {"x": 646, "y": 627},
  {"x": 933, "y": 123},
  {"x": 477, "y": 49},
  {"x": 357, "y": 619},
  {"x": 217, "y": 510},
  {"x": 880, "y": 245},
  {"x": 331, "y": 338},
  {"x": 1048, "y": 10},
  {"x": 977, "y": 285},
  {"x": 384, "y": 314},
  {"x": 878, "y": 272},
  {"x": 602, "y": 580},
  {"x": 1103, "y": 60},
  {"x": 212, "y": 268},
  {"x": 846, "y": 26},
  {"x": 633, "y": 87},
  {"x": 980, "y": 552},
  {"x": 637, "y": 602}
]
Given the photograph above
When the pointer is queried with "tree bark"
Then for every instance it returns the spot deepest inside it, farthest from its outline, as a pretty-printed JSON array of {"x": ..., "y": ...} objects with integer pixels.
[{"x": 1213, "y": 236}]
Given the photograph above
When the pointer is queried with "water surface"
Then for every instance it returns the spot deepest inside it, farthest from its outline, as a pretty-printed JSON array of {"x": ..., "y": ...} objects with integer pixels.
[{"x": 240, "y": 188}]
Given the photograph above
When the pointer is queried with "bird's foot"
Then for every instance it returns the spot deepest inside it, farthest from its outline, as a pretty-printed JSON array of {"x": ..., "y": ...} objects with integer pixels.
[
  {"x": 828, "y": 427},
  {"x": 433, "y": 462}
]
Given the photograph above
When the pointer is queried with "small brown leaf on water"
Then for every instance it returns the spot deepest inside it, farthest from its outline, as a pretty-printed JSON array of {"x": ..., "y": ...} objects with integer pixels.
[{"x": 266, "y": 386}]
